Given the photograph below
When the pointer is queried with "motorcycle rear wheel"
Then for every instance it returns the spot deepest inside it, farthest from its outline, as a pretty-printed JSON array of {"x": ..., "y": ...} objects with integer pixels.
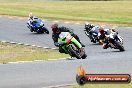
[
  {"x": 45, "y": 30},
  {"x": 84, "y": 56},
  {"x": 121, "y": 48}
]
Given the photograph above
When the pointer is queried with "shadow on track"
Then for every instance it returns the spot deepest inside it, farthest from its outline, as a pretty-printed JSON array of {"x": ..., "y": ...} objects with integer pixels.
[
  {"x": 111, "y": 51},
  {"x": 118, "y": 51},
  {"x": 70, "y": 59},
  {"x": 36, "y": 33},
  {"x": 95, "y": 44}
]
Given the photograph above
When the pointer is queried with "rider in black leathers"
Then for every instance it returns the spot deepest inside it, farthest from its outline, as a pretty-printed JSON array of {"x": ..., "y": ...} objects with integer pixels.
[
  {"x": 55, "y": 35},
  {"x": 90, "y": 29},
  {"x": 89, "y": 26}
]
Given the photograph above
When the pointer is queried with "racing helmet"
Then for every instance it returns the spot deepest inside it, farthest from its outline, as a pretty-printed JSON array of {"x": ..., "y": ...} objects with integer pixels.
[
  {"x": 87, "y": 25},
  {"x": 30, "y": 15},
  {"x": 55, "y": 28},
  {"x": 101, "y": 30}
]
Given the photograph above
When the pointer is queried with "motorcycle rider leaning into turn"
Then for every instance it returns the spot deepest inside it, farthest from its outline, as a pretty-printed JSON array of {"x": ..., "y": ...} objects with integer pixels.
[
  {"x": 31, "y": 20},
  {"x": 56, "y": 32},
  {"x": 90, "y": 28},
  {"x": 104, "y": 35}
]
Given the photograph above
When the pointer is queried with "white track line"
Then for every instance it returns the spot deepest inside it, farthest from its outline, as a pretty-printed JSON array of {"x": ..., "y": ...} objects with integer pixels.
[
  {"x": 38, "y": 60},
  {"x": 13, "y": 43},
  {"x": 4, "y": 41},
  {"x": 17, "y": 62},
  {"x": 39, "y": 47},
  {"x": 20, "y": 43},
  {"x": 60, "y": 86},
  {"x": 33, "y": 46},
  {"x": 29, "y": 45}
]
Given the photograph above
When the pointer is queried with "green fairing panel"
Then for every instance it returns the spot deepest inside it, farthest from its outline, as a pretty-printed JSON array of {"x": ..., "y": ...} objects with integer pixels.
[
  {"x": 60, "y": 40},
  {"x": 76, "y": 42}
]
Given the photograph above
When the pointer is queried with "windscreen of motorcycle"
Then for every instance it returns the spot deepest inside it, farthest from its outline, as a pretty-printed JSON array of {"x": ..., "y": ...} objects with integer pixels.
[{"x": 63, "y": 34}]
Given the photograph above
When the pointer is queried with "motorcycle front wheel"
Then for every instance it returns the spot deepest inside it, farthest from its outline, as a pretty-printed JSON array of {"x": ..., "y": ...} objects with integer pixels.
[
  {"x": 45, "y": 30},
  {"x": 84, "y": 56},
  {"x": 120, "y": 47},
  {"x": 73, "y": 52}
]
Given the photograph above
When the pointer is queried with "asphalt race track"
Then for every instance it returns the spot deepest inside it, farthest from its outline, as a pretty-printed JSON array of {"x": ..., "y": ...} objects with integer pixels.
[{"x": 51, "y": 73}]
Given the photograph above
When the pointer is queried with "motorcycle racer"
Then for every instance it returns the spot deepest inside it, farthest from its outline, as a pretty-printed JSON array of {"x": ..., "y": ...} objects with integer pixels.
[
  {"x": 91, "y": 29},
  {"x": 31, "y": 19},
  {"x": 55, "y": 35},
  {"x": 89, "y": 26},
  {"x": 104, "y": 35}
]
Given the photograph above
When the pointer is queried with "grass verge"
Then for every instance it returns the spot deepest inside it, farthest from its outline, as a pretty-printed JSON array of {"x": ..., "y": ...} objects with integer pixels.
[
  {"x": 100, "y": 11},
  {"x": 104, "y": 86},
  {"x": 14, "y": 52}
]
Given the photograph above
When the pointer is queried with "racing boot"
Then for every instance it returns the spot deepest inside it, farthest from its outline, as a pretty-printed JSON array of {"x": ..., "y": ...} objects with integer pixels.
[
  {"x": 31, "y": 29},
  {"x": 105, "y": 46}
]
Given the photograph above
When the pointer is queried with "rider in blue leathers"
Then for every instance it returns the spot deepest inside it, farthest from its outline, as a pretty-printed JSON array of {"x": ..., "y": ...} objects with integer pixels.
[{"x": 31, "y": 19}]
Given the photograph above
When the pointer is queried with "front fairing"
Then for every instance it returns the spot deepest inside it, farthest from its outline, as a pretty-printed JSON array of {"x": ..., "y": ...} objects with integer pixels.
[
  {"x": 38, "y": 23},
  {"x": 115, "y": 38},
  {"x": 76, "y": 42},
  {"x": 67, "y": 39},
  {"x": 63, "y": 37}
]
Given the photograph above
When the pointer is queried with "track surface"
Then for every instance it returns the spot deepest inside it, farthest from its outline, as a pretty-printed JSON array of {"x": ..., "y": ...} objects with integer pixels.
[{"x": 50, "y": 73}]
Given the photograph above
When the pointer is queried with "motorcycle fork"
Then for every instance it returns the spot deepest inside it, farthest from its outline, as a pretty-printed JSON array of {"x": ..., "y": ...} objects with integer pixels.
[{"x": 113, "y": 45}]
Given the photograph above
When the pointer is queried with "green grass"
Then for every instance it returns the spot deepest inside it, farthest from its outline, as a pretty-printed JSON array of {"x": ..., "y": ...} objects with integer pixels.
[
  {"x": 100, "y": 11},
  {"x": 103, "y": 86},
  {"x": 14, "y": 52}
]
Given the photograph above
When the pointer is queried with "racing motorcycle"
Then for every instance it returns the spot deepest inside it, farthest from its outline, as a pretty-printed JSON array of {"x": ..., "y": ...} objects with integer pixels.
[
  {"x": 71, "y": 45},
  {"x": 92, "y": 35},
  {"x": 38, "y": 26},
  {"x": 115, "y": 41}
]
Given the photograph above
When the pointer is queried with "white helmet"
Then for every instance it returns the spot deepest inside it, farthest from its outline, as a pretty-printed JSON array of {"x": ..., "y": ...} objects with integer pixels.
[
  {"x": 88, "y": 25},
  {"x": 30, "y": 15}
]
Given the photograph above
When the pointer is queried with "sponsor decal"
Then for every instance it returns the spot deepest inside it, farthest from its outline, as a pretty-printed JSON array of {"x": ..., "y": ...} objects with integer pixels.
[{"x": 83, "y": 78}]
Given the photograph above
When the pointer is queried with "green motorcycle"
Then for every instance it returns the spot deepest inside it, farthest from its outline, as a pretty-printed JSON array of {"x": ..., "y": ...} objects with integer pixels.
[{"x": 71, "y": 45}]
